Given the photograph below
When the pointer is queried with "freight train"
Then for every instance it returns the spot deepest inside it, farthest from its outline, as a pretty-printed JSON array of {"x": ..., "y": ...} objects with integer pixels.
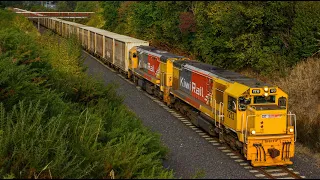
[{"x": 249, "y": 115}]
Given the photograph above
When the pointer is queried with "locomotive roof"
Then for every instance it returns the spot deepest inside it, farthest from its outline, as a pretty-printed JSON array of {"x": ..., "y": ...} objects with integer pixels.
[
  {"x": 227, "y": 75},
  {"x": 164, "y": 55}
]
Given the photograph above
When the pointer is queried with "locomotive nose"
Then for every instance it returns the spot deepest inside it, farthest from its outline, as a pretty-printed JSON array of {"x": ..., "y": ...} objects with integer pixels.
[{"x": 273, "y": 152}]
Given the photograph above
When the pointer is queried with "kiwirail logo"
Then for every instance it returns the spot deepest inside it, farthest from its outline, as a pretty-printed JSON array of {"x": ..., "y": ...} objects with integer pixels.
[
  {"x": 151, "y": 68},
  {"x": 193, "y": 87}
]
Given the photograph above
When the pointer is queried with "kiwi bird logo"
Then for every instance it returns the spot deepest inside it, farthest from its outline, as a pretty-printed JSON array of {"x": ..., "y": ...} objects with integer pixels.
[{"x": 207, "y": 98}]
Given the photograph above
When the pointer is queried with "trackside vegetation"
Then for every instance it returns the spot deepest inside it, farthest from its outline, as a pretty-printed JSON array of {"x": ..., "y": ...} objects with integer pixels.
[
  {"x": 265, "y": 36},
  {"x": 57, "y": 122}
]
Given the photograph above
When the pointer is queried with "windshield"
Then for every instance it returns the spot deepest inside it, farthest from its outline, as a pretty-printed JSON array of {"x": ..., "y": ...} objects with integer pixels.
[{"x": 263, "y": 99}]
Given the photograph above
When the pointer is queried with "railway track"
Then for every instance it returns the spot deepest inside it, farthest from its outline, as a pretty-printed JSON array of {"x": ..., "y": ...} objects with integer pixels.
[
  {"x": 279, "y": 172},
  {"x": 275, "y": 172}
]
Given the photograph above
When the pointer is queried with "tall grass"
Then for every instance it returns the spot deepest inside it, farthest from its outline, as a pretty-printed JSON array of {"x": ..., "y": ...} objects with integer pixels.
[
  {"x": 303, "y": 87},
  {"x": 56, "y": 122},
  {"x": 33, "y": 146}
]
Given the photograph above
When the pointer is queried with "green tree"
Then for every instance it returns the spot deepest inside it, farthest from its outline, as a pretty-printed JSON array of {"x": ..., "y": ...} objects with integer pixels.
[
  {"x": 87, "y": 6},
  {"x": 110, "y": 14},
  {"x": 306, "y": 26},
  {"x": 68, "y": 6},
  {"x": 62, "y": 6},
  {"x": 2, "y": 5}
]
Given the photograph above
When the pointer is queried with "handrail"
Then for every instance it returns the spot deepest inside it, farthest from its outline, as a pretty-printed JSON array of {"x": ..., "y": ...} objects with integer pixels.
[
  {"x": 289, "y": 117},
  {"x": 162, "y": 79},
  {"x": 235, "y": 105},
  {"x": 220, "y": 112},
  {"x": 242, "y": 119},
  {"x": 295, "y": 125},
  {"x": 245, "y": 135},
  {"x": 215, "y": 112}
]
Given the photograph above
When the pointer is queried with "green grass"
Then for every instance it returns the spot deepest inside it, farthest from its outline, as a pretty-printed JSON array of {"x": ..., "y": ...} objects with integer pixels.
[{"x": 56, "y": 122}]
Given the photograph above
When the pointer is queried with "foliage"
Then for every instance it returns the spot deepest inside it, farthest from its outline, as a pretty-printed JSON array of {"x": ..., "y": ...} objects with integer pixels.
[
  {"x": 12, "y": 3},
  {"x": 200, "y": 173},
  {"x": 2, "y": 5},
  {"x": 38, "y": 8},
  {"x": 86, "y": 6},
  {"x": 110, "y": 14},
  {"x": 306, "y": 26},
  {"x": 263, "y": 36},
  {"x": 96, "y": 20},
  {"x": 305, "y": 102},
  {"x": 62, "y": 6},
  {"x": 38, "y": 147},
  {"x": 67, "y": 6},
  {"x": 56, "y": 122}
]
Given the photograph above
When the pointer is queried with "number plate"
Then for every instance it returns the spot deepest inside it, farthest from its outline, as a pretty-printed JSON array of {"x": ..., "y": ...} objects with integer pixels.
[
  {"x": 255, "y": 91},
  {"x": 271, "y": 141}
]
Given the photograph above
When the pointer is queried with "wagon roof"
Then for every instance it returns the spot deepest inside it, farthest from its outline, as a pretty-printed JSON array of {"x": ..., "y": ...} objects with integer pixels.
[
  {"x": 75, "y": 24},
  {"x": 164, "y": 55},
  {"x": 113, "y": 35},
  {"x": 224, "y": 74},
  {"x": 69, "y": 22}
]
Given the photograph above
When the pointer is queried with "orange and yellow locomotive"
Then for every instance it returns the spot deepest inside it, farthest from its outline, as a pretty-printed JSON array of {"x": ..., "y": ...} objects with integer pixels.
[{"x": 251, "y": 116}]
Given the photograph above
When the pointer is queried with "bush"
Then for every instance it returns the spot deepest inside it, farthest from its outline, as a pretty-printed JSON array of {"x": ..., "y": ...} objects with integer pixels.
[
  {"x": 262, "y": 36},
  {"x": 303, "y": 88},
  {"x": 56, "y": 122}
]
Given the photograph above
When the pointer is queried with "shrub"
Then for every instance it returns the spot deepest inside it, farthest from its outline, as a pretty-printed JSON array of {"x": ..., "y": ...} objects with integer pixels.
[
  {"x": 303, "y": 87},
  {"x": 56, "y": 122}
]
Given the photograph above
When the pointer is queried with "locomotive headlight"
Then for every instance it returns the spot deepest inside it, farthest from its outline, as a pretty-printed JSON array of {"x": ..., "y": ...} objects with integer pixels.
[
  {"x": 266, "y": 94},
  {"x": 253, "y": 132},
  {"x": 266, "y": 89},
  {"x": 291, "y": 130}
]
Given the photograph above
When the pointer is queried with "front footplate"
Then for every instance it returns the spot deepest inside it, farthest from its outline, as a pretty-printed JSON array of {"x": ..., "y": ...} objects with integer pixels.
[{"x": 270, "y": 150}]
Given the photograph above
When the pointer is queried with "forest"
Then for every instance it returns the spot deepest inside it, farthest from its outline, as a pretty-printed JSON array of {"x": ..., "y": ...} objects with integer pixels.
[{"x": 264, "y": 36}]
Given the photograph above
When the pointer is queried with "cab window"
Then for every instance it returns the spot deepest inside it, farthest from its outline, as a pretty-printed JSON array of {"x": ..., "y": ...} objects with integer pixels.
[
  {"x": 282, "y": 102},
  {"x": 232, "y": 104},
  {"x": 243, "y": 102},
  {"x": 263, "y": 99}
]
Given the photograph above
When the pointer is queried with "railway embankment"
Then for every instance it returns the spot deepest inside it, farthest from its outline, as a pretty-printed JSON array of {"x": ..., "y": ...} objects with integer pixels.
[{"x": 57, "y": 122}]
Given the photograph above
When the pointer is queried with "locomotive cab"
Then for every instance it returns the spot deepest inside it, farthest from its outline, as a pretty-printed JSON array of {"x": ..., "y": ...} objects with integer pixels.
[{"x": 266, "y": 128}]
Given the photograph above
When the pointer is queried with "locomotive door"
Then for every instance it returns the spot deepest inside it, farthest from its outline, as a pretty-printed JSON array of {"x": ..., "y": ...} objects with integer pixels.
[{"x": 230, "y": 118}]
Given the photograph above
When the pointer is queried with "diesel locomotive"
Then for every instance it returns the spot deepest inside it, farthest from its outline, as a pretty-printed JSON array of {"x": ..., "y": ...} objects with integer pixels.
[{"x": 251, "y": 116}]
